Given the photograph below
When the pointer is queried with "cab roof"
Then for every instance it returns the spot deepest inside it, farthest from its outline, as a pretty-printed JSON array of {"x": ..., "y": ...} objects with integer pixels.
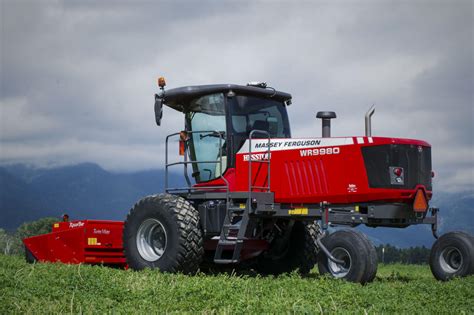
[{"x": 176, "y": 98}]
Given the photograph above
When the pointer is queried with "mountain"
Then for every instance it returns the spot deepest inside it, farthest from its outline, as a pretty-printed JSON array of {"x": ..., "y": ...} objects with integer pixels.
[
  {"x": 88, "y": 191},
  {"x": 82, "y": 191}
]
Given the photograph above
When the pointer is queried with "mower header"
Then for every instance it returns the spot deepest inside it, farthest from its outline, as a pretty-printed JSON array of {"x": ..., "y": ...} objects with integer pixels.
[{"x": 80, "y": 241}]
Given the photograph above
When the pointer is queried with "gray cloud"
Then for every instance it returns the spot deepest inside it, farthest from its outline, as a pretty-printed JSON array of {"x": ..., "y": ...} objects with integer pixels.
[{"x": 78, "y": 78}]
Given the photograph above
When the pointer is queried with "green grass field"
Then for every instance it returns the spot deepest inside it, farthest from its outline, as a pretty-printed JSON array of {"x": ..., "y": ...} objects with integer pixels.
[{"x": 58, "y": 288}]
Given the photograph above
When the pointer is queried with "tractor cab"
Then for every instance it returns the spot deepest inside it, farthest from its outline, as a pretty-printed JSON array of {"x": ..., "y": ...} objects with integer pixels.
[{"x": 219, "y": 119}]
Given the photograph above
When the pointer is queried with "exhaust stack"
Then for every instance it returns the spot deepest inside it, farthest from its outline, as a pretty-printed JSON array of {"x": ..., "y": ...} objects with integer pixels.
[
  {"x": 326, "y": 123},
  {"x": 368, "y": 121}
]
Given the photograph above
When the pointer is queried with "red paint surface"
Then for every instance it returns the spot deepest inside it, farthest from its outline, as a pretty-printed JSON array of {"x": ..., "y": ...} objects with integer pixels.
[
  {"x": 68, "y": 243},
  {"x": 313, "y": 179}
]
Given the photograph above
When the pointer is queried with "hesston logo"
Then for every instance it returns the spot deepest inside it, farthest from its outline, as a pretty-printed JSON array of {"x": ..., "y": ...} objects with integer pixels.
[
  {"x": 257, "y": 157},
  {"x": 76, "y": 224}
]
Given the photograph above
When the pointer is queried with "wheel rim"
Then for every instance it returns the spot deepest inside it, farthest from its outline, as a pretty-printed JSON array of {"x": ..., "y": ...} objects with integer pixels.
[
  {"x": 450, "y": 260},
  {"x": 340, "y": 270},
  {"x": 151, "y": 240}
]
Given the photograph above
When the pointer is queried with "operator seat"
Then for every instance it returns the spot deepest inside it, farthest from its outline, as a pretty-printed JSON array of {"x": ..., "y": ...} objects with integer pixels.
[
  {"x": 260, "y": 125},
  {"x": 240, "y": 138}
]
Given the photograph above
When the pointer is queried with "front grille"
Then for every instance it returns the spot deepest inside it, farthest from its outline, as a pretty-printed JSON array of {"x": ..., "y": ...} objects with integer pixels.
[{"x": 415, "y": 161}]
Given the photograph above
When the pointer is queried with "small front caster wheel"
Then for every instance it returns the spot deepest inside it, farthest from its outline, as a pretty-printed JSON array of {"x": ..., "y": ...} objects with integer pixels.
[
  {"x": 357, "y": 253},
  {"x": 452, "y": 255}
]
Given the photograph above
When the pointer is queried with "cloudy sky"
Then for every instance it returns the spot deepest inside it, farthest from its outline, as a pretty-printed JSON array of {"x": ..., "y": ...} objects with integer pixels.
[{"x": 78, "y": 77}]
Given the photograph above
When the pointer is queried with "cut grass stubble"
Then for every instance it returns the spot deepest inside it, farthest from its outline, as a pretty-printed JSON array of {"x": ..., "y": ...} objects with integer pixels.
[{"x": 41, "y": 288}]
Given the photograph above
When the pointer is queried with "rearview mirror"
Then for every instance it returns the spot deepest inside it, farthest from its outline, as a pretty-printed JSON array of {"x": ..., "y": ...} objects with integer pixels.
[{"x": 158, "y": 109}]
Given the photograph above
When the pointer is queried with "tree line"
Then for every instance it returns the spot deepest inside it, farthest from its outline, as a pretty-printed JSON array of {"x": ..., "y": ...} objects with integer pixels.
[
  {"x": 390, "y": 254},
  {"x": 11, "y": 242}
]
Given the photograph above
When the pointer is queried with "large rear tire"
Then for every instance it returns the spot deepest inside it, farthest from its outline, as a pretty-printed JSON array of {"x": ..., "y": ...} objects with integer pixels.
[
  {"x": 163, "y": 231},
  {"x": 300, "y": 252},
  {"x": 351, "y": 247},
  {"x": 452, "y": 255}
]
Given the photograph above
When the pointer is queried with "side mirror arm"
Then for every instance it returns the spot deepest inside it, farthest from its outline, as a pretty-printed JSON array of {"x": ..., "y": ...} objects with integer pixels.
[{"x": 158, "y": 109}]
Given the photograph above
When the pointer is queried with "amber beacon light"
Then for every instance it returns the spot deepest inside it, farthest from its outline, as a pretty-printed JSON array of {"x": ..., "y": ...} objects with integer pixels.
[{"x": 161, "y": 82}]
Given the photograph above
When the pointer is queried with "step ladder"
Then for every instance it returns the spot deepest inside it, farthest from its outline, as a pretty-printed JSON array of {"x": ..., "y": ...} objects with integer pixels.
[{"x": 232, "y": 245}]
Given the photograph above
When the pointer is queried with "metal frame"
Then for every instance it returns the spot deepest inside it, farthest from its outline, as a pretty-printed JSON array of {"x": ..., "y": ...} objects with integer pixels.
[
  {"x": 185, "y": 164},
  {"x": 251, "y": 187},
  {"x": 333, "y": 214}
]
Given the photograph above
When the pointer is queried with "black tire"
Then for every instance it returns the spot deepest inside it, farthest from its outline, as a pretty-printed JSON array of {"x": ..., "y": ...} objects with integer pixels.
[
  {"x": 171, "y": 235},
  {"x": 452, "y": 255},
  {"x": 351, "y": 247},
  {"x": 29, "y": 257},
  {"x": 300, "y": 253},
  {"x": 371, "y": 270}
]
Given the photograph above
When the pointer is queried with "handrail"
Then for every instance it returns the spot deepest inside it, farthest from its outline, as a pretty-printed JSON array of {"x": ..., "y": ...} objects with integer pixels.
[
  {"x": 250, "y": 162},
  {"x": 186, "y": 162}
]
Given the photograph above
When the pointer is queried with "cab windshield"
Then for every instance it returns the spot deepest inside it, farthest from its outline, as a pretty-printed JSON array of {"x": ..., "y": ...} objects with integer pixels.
[
  {"x": 206, "y": 120},
  {"x": 249, "y": 113},
  {"x": 211, "y": 146}
]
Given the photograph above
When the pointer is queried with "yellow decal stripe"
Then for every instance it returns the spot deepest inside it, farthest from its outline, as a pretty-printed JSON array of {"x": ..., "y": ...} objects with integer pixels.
[
  {"x": 298, "y": 211},
  {"x": 92, "y": 241}
]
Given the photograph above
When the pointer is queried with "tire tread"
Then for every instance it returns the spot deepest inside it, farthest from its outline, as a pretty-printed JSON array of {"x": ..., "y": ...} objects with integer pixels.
[{"x": 190, "y": 240}]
